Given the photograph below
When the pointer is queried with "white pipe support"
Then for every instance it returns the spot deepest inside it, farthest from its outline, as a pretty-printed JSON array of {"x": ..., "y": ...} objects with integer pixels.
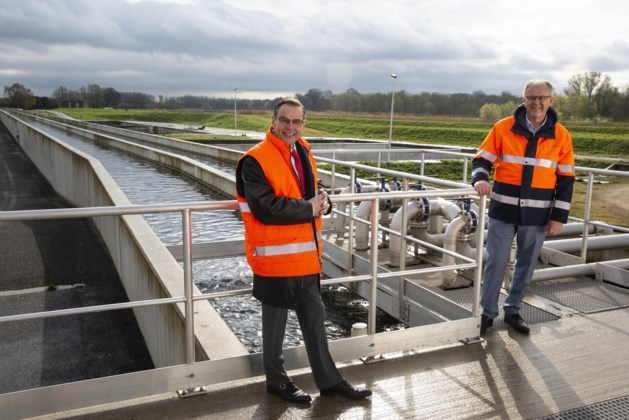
[{"x": 413, "y": 209}]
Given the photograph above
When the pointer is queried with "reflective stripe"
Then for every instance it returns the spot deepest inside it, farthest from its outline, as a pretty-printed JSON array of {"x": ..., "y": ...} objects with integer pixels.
[
  {"x": 544, "y": 163},
  {"x": 488, "y": 156},
  {"x": 271, "y": 250},
  {"x": 527, "y": 202},
  {"x": 565, "y": 168},
  {"x": 564, "y": 205},
  {"x": 505, "y": 199},
  {"x": 480, "y": 171},
  {"x": 540, "y": 204},
  {"x": 512, "y": 159}
]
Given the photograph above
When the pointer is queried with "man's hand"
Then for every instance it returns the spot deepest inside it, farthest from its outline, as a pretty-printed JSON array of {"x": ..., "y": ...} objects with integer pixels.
[
  {"x": 554, "y": 228},
  {"x": 482, "y": 187},
  {"x": 320, "y": 204}
]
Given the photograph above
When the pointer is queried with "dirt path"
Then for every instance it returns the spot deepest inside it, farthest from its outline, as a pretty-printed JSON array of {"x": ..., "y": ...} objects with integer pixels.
[
  {"x": 611, "y": 204},
  {"x": 618, "y": 197}
]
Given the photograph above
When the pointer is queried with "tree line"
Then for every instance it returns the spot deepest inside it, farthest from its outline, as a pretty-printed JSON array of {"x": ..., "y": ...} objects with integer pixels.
[{"x": 588, "y": 96}]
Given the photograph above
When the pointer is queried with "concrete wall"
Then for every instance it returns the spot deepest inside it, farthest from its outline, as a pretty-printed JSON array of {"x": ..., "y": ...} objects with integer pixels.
[{"x": 146, "y": 268}]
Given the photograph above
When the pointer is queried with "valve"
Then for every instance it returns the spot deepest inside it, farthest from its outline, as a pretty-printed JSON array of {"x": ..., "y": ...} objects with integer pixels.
[
  {"x": 357, "y": 186},
  {"x": 395, "y": 184}
]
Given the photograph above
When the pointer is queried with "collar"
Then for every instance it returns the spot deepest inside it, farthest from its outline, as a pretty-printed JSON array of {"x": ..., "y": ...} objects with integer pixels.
[{"x": 533, "y": 129}]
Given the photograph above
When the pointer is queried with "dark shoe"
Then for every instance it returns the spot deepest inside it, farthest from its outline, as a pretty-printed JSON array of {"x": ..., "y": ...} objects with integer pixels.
[
  {"x": 516, "y": 322},
  {"x": 485, "y": 322},
  {"x": 290, "y": 392},
  {"x": 346, "y": 390}
]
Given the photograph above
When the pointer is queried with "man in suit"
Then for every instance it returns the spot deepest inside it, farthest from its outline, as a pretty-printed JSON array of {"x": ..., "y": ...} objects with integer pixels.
[{"x": 276, "y": 186}]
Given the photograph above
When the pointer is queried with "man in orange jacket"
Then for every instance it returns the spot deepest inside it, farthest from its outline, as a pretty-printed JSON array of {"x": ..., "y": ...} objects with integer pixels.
[
  {"x": 276, "y": 188},
  {"x": 533, "y": 181}
]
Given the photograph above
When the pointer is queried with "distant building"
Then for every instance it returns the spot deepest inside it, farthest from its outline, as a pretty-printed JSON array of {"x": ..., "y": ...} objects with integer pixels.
[{"x": 75, "y": 103}]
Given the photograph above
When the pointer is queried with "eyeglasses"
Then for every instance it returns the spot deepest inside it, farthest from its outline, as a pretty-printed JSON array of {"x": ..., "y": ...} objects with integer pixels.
[
  {"x": 537, "y": 98},
  {"x": 286, "y": 121}
]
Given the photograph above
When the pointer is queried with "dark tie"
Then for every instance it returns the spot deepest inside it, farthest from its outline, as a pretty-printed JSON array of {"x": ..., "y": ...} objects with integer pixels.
[{"x": 300, "y": 169}]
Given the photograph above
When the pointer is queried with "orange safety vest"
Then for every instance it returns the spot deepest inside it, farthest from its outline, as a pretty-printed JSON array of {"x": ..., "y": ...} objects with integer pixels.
[
  {"x": 534, "y": 175},
  {"x": 280, "y": 250}
]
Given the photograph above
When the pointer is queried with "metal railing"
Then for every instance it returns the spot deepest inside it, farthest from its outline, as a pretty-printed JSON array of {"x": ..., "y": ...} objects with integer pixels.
[
  {"x": 188, "y": 299},
  {"x": 405, "y": 177},
  {"x": 186, "y": 209}
]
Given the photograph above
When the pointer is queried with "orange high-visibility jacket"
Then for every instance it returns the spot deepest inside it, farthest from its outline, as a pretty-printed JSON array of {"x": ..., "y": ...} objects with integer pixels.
[
  {"x": 534, "y": 174},
  {"x": 280, "y": 250}
]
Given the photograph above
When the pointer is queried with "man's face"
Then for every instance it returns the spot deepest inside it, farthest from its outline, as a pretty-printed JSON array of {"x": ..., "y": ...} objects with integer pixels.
[
  {"x": 289, "y": 123},
  {"x": 537, "y": 100}
]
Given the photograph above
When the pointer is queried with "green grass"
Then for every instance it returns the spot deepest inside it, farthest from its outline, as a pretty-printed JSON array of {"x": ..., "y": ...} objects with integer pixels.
[{"x": 609, "y": 139}]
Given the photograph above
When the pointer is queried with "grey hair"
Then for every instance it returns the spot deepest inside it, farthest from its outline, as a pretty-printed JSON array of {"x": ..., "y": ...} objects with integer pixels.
[
  {"x": 289, "y": 100},
  {"x": 538, "y": 82}
]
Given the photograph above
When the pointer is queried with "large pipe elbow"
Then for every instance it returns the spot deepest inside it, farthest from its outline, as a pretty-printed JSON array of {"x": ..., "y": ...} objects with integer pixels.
[
  {"x": 413, "y": 209},
  {"x": 340, "y": 220},
  {"x": 449, "y": 244}
]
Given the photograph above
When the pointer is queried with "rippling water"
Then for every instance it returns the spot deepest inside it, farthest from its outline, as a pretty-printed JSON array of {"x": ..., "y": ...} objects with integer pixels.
[{"x": 146, "y": 183}]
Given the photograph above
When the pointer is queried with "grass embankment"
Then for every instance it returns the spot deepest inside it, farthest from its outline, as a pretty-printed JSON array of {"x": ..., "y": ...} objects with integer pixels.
[{"x": 606, "y": 140}]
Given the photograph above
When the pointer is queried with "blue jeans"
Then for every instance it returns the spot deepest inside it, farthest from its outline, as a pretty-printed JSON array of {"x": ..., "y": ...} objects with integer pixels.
[{"x": 529, "y": 240}]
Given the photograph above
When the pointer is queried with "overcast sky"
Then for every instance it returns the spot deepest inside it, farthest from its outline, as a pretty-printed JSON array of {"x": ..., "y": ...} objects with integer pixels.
[{"x": 271, "y": 48}]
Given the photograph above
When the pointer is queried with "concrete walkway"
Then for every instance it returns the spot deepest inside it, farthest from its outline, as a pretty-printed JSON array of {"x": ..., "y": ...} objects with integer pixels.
[
  {"x": 57, "y": 264},
  {"x": 572, "y": 363}
]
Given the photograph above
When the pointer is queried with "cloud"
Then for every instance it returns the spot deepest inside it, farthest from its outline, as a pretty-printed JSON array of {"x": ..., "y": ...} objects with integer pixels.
[{"x": 208, "y": 48}]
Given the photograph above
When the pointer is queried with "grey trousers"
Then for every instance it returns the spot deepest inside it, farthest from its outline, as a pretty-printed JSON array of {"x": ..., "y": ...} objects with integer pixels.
[
  {"x": 311, "y": 315},
  {"x": 530, "y": 240}
]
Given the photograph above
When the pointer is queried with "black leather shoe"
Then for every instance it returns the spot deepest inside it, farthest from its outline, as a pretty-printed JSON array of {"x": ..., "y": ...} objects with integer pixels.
[
  {"x": 290, "y": 392},
  {"x": 346, "y": 390},
  {"x": 516, "y": 322},
  {"x": 485, "y": 322}
]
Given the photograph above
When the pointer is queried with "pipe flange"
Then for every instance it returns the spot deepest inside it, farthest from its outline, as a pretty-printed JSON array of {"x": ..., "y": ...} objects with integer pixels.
[{"x": 472, "y": 218}]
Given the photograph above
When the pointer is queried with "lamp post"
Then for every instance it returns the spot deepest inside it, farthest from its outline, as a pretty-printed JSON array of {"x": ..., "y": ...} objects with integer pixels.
[
  {"x": 394, "y": 77},
  {"x": 235, "y": 113}
]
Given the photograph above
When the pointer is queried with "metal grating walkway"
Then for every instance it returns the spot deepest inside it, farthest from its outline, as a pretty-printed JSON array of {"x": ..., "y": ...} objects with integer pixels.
[
  {"x": 464, "y": 297},
  {"x": 609, "y": 410},
  {"x": 582, "y": 293}
]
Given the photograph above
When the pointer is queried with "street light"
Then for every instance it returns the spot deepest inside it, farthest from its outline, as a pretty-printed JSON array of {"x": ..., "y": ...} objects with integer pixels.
[
  {"x": 394, "y": 77},
  {"x": 235, "y": 114}
]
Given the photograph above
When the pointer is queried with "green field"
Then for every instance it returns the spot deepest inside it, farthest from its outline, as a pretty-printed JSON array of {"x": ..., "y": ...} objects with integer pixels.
[{"x": 607, "y": 139}]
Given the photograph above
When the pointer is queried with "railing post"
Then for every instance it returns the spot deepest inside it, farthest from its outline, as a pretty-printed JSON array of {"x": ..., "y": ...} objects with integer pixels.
[
  {"x": 465, "y": 170},
  {"x": 403, "y": 231},
  {"x": 373, "y": 292},
  {"x": 586, "y": 217},
  {"x": 350, "y": 235},
  {"x": 480, "y": 243},
  {"x": 332, "y": 183},
  {"x": 187, "y": 284}
]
